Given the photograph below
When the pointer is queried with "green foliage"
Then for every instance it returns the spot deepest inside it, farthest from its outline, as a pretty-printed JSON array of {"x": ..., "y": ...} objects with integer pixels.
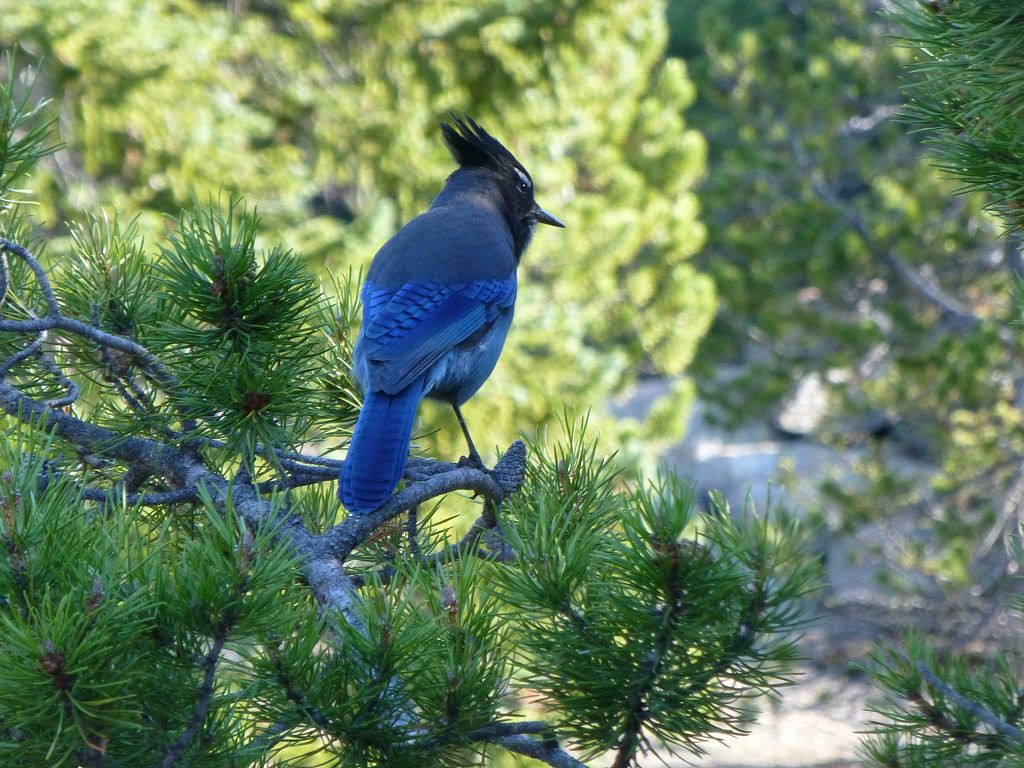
[
  {"x": 77, "y": 624},
  {"x": 26, "y": 128},
  {"x": 643, "y": 620},
  {"x": 326, "y": 116},
  {"x": 106, "y": 620},
  {"x": 944, "y": 711},
  {"x": 107, "y": 278},
  {"x": 243, "y": 336},
  {"x": 248, "y": 337},
  {"x": 970, "y": 103},
  {"x": 431, "y": 670},
  {"x": 941, "y": 709},
  {"x": 826, "y": 216},
  {"x": 143, "y": 626},
  {"x": 633, "y": 617}
]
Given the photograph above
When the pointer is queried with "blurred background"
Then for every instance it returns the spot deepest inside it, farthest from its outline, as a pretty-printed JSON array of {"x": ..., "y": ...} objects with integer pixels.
[{"x": 765, "y": 283}]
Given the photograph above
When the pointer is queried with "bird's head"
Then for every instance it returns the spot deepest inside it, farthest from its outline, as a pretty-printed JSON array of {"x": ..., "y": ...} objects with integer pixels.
[{"x": 473, "y": 147}]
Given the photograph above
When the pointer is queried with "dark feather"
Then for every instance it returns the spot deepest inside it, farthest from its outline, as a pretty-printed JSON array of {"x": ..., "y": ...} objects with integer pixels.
[{"x": 473, "y": 147}]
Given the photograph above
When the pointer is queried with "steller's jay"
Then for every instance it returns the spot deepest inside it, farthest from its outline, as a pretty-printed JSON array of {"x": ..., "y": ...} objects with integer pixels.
[{"x": 437, "y": 305}]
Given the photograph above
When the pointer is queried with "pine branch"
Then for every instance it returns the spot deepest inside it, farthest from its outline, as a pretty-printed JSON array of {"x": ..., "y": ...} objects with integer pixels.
[
  {"x": 632, "y": 734},
  {"x": 182, "y": 467},
  {"x": 497, "y": 550},
  {"x": 967, "y": 93},
  {"x": 498, "y": 730},
  {"x": 266, "y": 740},
  {"x": 285, "y": 456},
  {"x": 467, "y": 545},
  {"x": 1013, "y": 251},
  {"x": 295, "y": 695},
  {"x": 144, "y": 453},
  {"x": 741, "y": 640},
  {"x": 948, "y": 306},
  {"x": 24, "y": 354},
  {"x": 133, "y": 395},
  {"x": 322, "y": 555},
  {"x": 54, "y": 319},
  {"x": 975, "y": 709}
]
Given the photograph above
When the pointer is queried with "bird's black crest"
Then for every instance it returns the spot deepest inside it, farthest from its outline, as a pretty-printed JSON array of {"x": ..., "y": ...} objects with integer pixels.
[{"x": 472, "y": 146}]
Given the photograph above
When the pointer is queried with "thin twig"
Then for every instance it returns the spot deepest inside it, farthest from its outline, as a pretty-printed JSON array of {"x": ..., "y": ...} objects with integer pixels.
[
  {"x": 152, "y": 499},
  {"x": 297, "y": 480},
  {"x": 266, "y": 740},
  {"x": 140, "y": 394},
  {"x": 335, "y": 464},
  {"x": 954, "y": 311},
  {"x": 947, "y": 305},
  {"x": 496, "y": 731},
  {"x": 149, "y": 364},
  {"x": 294, "y": 694},
  {"x": 412, "y": 532},
  {"x": 974, "y": 708},
  {"x": 523, "y": 727},
  {"x": 195, "y": 723},
  {"x": 545, "y": 751},
  {"x": 1013, "y": 249},
  {"x": 465, "y": 546},
  {"x": 23, "y": 354},
  {"x": 37, "y": 269},
  {"x": 72, "y": 388},
  {"x": 632, "y": 737},
  {"x": 129, "y": 397},
  {"x": 1007, "y": 522}
]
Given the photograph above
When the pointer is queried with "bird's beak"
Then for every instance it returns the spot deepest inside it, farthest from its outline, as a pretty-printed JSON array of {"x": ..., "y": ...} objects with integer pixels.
[{"x": 543, "y": 217}]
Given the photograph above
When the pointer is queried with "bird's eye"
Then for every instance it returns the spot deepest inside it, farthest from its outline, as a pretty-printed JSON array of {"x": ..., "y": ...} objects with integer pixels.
[{"x": 524, "y": 185}]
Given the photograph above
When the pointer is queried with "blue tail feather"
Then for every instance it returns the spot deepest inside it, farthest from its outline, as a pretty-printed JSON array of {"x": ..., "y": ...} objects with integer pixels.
[{"x": 379, "y": 448}]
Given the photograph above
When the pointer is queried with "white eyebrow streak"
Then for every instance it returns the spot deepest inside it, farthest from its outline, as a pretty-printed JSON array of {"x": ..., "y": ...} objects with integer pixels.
[{"x": 523, "y": 177}]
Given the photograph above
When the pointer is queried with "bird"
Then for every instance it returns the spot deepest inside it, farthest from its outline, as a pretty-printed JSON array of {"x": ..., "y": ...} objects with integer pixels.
[{"x": 437, "y": 305}]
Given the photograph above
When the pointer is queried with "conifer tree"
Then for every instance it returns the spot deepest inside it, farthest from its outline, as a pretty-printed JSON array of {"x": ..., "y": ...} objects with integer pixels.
[
  {"x": 178, "y": 586},
  {"x": 944, "y": 710},
  {"x": 843, "y": 258}
]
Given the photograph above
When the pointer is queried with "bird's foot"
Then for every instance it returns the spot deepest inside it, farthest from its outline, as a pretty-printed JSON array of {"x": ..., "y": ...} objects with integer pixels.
[{"x": 473, "y": 461}]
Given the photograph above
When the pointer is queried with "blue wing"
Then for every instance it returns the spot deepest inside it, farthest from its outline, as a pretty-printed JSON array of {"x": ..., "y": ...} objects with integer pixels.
[{"x": 408, "y": 330}]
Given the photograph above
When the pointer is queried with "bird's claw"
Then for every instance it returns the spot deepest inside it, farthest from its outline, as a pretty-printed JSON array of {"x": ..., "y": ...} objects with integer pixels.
[{"x": 473, "y": 461}]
